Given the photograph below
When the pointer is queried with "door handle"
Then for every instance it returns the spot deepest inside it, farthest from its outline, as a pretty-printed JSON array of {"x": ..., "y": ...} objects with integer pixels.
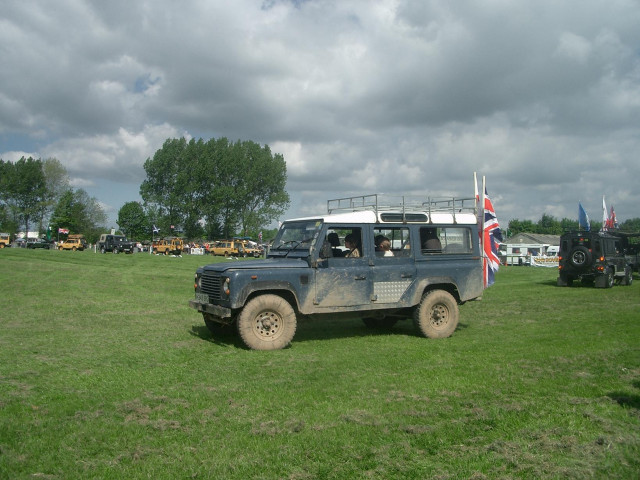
[
  {"x": 361, "y": 277},
  {"x": 406, "y": 275}
]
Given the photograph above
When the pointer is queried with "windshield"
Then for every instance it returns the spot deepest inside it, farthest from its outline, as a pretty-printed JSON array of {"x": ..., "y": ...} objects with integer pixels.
[{"x": 298, "y": 235}]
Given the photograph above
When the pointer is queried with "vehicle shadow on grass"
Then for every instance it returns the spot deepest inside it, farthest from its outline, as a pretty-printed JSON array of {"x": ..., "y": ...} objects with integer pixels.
[
  {"x": 313, "y": 330},
  {"x": 625, "y": 399},
  {"x": 227, "y": 336}
]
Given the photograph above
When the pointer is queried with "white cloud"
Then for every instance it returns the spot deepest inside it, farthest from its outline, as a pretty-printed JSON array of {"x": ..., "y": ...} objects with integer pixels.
[{"x": 574, "y": 47}]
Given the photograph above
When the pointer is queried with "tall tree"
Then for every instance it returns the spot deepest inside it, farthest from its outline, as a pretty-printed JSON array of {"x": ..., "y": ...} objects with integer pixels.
[
  {"x": 133, "y": 221},
  {"x": 260, "y": 194},
  {"x": 80, "y": 213},
  {"x": 160, "y": 186},
  {"x": 214, "y": 187},
  {"x": 24, "y": 189}
]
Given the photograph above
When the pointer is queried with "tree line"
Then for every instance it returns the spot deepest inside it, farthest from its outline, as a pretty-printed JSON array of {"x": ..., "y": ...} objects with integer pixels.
[
  {"x": 198, "y": 189},
  {"x": 36, "y": 193},
  {"x": 549, "y": 225},
  {"x": 214, "y": 188}
]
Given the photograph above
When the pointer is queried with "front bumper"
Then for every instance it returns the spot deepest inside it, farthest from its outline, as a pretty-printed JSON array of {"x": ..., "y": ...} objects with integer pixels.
[{"x": 215, "y": 310}]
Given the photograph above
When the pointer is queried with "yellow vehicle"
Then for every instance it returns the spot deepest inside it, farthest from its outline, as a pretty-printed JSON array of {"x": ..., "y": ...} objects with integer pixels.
[
  {"x": 172, "y": 246},
  {"x": 5, "y": 240},
  {"x": 250, "y": 251},
  {"x": 73, "y": 242},
  {"x": 228, "y": 248}
]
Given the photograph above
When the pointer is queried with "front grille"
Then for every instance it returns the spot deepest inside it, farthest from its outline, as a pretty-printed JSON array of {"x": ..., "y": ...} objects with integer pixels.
[{"x": 210, "y": 284}]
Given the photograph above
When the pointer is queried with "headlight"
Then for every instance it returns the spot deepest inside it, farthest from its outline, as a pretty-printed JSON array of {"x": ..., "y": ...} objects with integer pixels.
[
  {"x": 226, "y": 286},
  {"x": 197, "y": 282}
]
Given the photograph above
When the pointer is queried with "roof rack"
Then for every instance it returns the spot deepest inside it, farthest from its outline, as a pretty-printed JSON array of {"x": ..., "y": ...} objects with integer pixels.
[{"x": 402, "y": 204}]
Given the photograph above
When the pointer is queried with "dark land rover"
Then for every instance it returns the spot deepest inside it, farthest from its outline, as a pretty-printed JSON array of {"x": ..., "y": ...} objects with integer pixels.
[
  {"x": 377, "y": 259},
  {"x": 593, "y": 258},
  {"x": 115, "y": 244}
]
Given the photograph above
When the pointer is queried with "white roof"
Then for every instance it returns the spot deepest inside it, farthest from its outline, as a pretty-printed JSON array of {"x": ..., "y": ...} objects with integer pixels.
[{"x": 369, "y": 216}]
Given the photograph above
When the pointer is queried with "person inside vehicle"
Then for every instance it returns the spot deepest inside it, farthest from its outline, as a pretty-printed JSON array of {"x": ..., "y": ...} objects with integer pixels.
[
  {"x": 430, "y": 241},
  {"x": 353, "y": 244},
  {"x": 383, "y": 246}
]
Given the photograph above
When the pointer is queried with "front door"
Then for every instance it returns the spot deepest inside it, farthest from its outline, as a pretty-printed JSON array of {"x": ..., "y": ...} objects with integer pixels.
[{"x": 342, "y": 280}]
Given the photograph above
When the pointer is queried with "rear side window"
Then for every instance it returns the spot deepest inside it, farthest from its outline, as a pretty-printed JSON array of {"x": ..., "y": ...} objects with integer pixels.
[{"x": 445, "y": 240}]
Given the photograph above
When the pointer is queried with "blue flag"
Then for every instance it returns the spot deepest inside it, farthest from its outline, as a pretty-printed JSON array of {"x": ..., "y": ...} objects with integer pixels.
[{"x": 583, "y": 218}]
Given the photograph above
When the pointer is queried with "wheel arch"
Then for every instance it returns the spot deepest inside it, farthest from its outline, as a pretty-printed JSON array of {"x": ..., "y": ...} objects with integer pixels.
[
  {"x": 448, "y": 285},
  {"x": 281, "y": 289}
]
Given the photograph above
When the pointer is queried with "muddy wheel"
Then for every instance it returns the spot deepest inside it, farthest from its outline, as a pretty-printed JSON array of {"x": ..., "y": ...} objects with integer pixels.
[
  {"x": 73, "y": 249},
  {"x": 628, "y": 276},
  {"x": 437, "y": 314},
  {"x": 267, "y": 322}
]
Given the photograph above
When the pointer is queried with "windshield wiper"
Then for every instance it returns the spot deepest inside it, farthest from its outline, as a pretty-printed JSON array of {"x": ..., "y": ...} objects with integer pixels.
[{"x": 295, "y": 243}]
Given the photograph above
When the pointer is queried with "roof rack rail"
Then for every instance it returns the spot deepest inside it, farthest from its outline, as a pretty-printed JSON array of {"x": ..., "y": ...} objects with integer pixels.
[{"x": 405, "y": 203}]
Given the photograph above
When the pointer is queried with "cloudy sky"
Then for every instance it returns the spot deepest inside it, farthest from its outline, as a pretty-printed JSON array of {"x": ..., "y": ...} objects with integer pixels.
[{"x": 389, "y": 96}]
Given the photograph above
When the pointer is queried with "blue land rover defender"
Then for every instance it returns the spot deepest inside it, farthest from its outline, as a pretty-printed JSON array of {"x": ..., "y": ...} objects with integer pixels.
[{"x": 380, "y": 258}]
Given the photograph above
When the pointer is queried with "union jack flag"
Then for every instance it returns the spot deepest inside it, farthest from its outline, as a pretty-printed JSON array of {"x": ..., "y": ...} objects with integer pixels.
[
  {"x": 492, "y": 237},
  {"x": 612, "y": 222}
]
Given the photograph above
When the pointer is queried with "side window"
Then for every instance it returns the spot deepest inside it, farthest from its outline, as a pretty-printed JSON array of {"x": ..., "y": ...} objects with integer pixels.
[
  {"x": 342, "y": 242},
  {"x": 392, "y": 242},
  {"x": 445, "y": 240}
]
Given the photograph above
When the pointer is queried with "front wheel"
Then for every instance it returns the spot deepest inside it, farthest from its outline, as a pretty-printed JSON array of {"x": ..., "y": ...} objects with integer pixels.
[
  {"x": 437, "y": 314},
  {"x": 267, "y": 322}
]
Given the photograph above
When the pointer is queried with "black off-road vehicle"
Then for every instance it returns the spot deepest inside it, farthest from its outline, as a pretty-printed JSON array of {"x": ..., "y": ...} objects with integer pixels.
[
  {"x": 630, "y": 243},
  {"x": 115, "y": 244},
  {"x": 593, "y": 258}
]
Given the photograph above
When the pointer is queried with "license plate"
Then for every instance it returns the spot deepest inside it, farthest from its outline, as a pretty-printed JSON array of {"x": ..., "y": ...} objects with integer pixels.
[{"x": 202, "y": 297}]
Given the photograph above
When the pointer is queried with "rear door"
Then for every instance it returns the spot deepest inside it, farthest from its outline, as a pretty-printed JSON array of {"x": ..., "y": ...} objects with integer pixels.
[{"x": 394, "y": 268}]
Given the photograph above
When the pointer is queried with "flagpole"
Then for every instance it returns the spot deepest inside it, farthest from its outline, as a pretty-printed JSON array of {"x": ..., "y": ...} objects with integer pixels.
[
  {"x": 482, "y": 242},
  {"x": 475, "y": 187}
]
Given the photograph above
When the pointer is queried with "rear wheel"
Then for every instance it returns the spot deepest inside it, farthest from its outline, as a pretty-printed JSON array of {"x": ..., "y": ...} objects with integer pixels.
[
  {"x": 564, "y": 280},
  {"x": 437, "y": 314},
  {"x": 267, "y": 322},
  {"x": 628, "y": 276},
  {"x": 605, "y": 280}
]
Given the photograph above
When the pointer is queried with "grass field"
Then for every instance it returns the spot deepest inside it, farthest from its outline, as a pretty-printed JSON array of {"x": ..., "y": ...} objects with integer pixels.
[{"x": 106, "y": 373}]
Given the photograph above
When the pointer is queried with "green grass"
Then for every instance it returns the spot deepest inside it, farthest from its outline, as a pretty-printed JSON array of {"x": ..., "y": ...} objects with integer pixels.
[{"x": 106, "y": 373}]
